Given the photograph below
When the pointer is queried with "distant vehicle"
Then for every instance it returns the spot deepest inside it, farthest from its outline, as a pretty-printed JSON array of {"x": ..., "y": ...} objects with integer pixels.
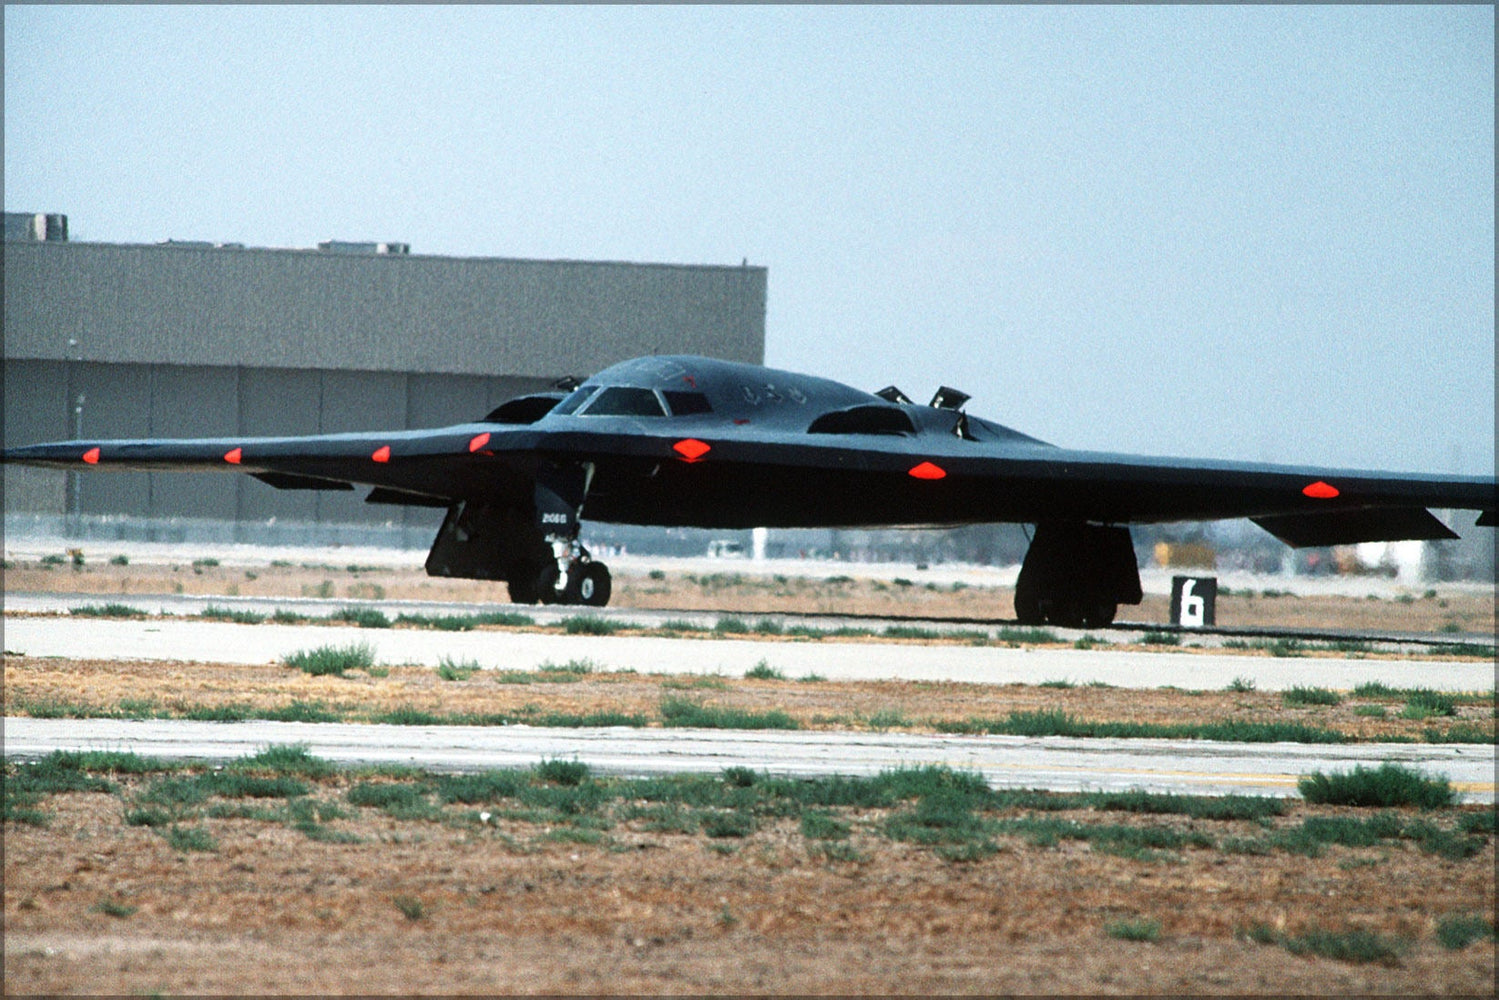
[
  {"x": 694, "y": 442},
  {"x": 723, "y": 549}
]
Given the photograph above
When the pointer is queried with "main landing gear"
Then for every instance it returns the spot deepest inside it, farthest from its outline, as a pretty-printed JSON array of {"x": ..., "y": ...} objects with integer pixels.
[{"x": 1076, "y": 575}]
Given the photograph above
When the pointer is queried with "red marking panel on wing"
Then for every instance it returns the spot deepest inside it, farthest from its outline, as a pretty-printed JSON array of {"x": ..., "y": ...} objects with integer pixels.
[{"x": 691, "y": 449}]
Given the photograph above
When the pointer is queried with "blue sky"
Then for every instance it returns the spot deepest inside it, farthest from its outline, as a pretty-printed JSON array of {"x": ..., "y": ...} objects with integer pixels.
[{"x": 1247, "y": 232}]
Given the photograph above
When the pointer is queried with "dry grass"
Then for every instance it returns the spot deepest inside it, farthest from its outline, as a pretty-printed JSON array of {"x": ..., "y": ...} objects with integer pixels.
[{"x": 907, "y": 705}]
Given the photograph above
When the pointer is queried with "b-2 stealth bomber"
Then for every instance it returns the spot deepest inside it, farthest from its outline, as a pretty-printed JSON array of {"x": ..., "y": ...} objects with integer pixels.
[{"x": 690, "y": 441}]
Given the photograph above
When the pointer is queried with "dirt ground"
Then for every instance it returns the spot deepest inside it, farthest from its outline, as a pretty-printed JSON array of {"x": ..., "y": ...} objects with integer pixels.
[{"x": 93, "y": 904}]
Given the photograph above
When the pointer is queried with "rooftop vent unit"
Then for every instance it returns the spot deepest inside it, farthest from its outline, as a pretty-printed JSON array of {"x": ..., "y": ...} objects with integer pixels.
[
  {"x": 39, "y": 227},
  {"x": 346, "y": 246}
]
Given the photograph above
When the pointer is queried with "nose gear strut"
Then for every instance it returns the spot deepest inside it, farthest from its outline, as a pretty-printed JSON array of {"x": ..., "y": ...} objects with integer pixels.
[{"x": 572, "y": 577}]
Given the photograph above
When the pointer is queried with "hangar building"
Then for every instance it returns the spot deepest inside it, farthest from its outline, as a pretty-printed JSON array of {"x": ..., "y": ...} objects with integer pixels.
[{"x": 197, "y": 339}]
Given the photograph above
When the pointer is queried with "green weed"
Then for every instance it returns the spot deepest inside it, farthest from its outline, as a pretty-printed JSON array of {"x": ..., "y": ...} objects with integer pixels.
[
  {"x": 590, "y": 625},
  {"x": 1357, "y": 946},
  {"x": 818, "y": 825},
  {"x": 215, "y": 613},
  {"x": 363, "y": 617},
  {"x": 411, "y": 908},
  {"x": 1428, "y": 702},
  {"x": 1059, "y": 723},
  {"x": 888, "y": 718},
  {"x": 1160, "y": 639},
  {"x": 190, "y": 838},
  {"x": 111, "y": 610},
  {"x": 450, "y": 669},
  {"x": 332, "y": 660},
  {"x": 576, "y": 668},
  {"x": 728, "y": 824},
  {"x": 286, "y": 759},
  {"x": 740, "y": 777},
  {"x": 568, "y": 773},
  {"x": 1142, "y": 929},
  {"x": 911, "y": 632},
  {"x": 1458, "y": 930},
  {"x": 1390, "y": 785},
  {"x": 1027, "y": 636},
  {"x": 1310, "y": 696},
  {"x": 114, "y": 908},
  {"x": 302, "y": 711},
  {"x": 687, "y": 714},
  {"x": 216, "y": 713},
  {"x": 763, "y": 671}
]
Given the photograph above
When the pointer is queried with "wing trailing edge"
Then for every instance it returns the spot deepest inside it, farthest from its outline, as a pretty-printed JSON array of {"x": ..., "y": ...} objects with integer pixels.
[
  {"x": 1347, "y": 527},
  {"x": 290, "y": 481}
]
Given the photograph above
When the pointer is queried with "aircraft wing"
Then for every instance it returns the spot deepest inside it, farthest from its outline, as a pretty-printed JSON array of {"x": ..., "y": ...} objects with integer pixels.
[
  {"x": 749, "y": 479},
  {"x": 432, "y": 468}
]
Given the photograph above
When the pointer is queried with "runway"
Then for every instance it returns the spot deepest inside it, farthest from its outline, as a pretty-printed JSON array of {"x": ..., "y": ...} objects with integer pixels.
[{"x": 1197, "y": 767}]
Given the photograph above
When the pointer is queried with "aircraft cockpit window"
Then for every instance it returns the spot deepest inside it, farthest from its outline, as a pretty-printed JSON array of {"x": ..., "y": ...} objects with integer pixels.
[
  {"x": 686, "y": 404},
  {"x": 623, "y": 401},
  {"x": 574, "y": 400}
]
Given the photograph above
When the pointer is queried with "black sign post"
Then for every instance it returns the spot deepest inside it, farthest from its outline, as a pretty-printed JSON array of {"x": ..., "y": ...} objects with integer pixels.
[{"x": 1194, "y": 601}]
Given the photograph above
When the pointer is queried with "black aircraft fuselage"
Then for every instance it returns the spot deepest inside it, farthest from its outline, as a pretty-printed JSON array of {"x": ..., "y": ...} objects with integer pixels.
[{"x": 689, "y": 441}]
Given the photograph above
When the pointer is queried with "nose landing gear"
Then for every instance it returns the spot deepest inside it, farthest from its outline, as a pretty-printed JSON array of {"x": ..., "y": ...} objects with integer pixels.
[{"x": 571, "y": 576}]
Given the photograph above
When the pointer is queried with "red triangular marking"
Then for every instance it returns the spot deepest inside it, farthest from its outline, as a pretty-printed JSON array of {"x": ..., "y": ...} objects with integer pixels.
[
  {"x": 382, "y": 454},
  {"x": 1321, "y": 491},
  {"x": 233, "y": 457},
  {"x": 91, "y": 456},
  {"x": 479, "y": 441},
  {"x": 691, "y": 450},
  {"x": 926, "y": 470}
]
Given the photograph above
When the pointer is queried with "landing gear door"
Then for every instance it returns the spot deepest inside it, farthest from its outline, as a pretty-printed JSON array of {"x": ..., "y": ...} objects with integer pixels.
[{"x": 560, "y": 491}]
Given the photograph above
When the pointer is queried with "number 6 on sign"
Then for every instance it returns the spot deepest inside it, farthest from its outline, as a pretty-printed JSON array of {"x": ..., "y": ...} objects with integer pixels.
[{"x": 1193, "y": 601}]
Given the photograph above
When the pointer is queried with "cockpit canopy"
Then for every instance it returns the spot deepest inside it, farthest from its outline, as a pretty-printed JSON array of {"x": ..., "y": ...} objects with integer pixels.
[{"x": 632, "y": 401}]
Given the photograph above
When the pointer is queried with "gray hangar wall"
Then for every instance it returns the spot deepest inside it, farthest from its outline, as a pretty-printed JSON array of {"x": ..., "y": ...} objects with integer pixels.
[{"x": 185, "y": 340}]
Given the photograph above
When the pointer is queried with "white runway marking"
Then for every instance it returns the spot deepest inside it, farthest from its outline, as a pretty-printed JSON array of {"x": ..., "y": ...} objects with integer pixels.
[
  {"x": 223, "y": 642},
  {"x": 1198, "y": 767}
]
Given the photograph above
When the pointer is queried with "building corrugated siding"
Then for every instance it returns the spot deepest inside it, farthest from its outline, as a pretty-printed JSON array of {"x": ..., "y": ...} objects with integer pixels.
[{"x": 369, "y": 312}]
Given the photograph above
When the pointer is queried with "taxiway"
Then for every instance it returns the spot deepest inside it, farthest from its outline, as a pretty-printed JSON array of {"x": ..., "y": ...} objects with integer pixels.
[
  {"x": 1121, "y": 665},
  {"x": 1198, "y": 767}
]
